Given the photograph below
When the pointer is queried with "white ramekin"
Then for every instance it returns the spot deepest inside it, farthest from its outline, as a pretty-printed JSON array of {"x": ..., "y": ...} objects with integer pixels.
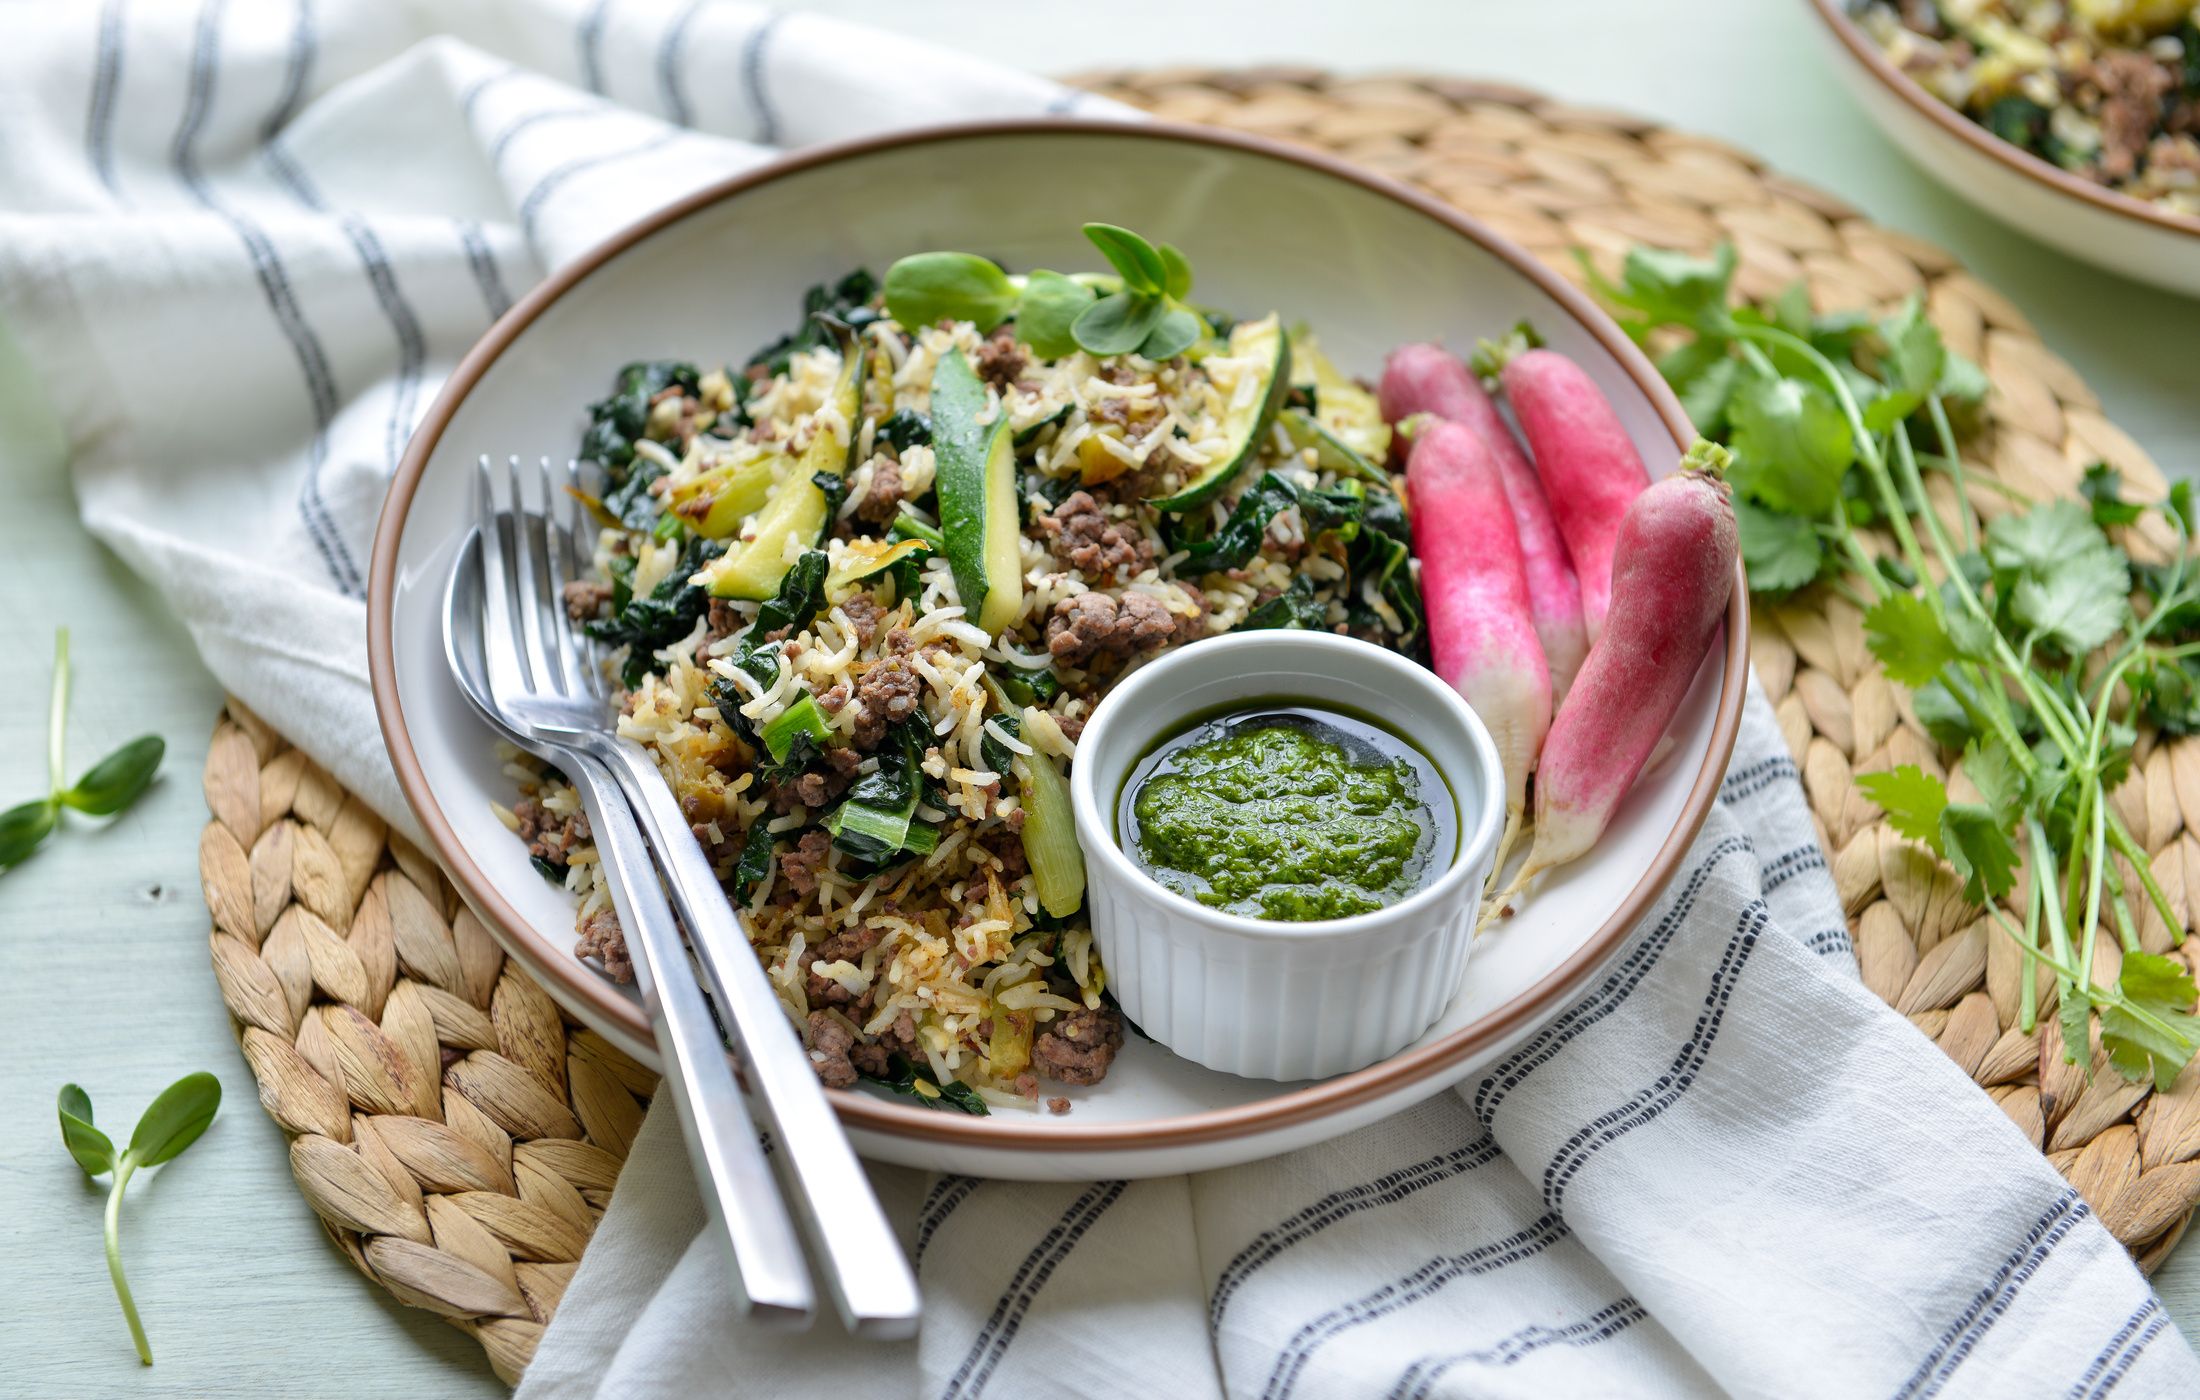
[{"x": 1263, "y": 998}]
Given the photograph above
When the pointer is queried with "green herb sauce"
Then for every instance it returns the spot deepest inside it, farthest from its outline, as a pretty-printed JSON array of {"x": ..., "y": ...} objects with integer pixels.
[{"x": 1278, "y": 811}]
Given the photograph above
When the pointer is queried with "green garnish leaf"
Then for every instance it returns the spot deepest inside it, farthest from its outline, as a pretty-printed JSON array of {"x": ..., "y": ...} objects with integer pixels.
[
  {"x": 117, "y": 780},
  {"x": 174, "y": 1120},
  {"x": 1141, "y": 265},
  {"x": 1911, "y": 365},
  {"x": 172, "y": 1123},
  {"x": 24, "y": 827},
  {"x": 1177, "y": 331},
  {"x": 1993, "y": 770},
  {"x": 1118, "y": 324},
  {"x": 2042, "y": 538},
  {"x": 2149, "y": 1030},
  {"x": 1703, "y": 375},
  {"x": 1051, "y": 305},
  {"x": 1913, "y": 800},
  {"x": 2079, "y": 606},
  {"x": 1177, "y": 281},
  {"x": 1791, "y": 445},
  {"x": 93, "y": 1150},
  {"x": 925, "y": 288},
  {"x": 1781, "y": 552},
  {"x": 1976, "y": 844},
  {"x": 1908, "y": 640},
  {"x": 1670, "y": 288},
  {"x": 2103, "y": 486}
]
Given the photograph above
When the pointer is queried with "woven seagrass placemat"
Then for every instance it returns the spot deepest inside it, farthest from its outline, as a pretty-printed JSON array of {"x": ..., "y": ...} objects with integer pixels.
[{"x": 459, "y": 1139}]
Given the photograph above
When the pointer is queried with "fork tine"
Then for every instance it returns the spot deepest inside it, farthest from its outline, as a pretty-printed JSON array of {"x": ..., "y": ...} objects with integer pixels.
[
  {"x": 559, "y": 556},
  {"x": 500, "y": 651},
  {"x": 527, "y": 586},
  {"x": 583, "y": 535}
]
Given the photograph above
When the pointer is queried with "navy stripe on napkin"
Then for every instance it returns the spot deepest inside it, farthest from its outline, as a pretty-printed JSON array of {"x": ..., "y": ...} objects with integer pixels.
[
  {"x": 1423, "y": 1282},
  {"x": 274, "y": 282},
  {"x": 1993, "y": 1299},
  {"x": 99, "y": 121},
  {"x": 1337, "y": 1205},
  {"x": 1602, "y": 1325},
  {"x": 1667, "y": 1089},
  {"x": 1000, "y": 1329}
]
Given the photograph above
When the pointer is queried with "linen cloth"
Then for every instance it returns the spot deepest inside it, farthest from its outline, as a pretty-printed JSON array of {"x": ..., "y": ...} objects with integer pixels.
[{"x": 243, "y": 241}]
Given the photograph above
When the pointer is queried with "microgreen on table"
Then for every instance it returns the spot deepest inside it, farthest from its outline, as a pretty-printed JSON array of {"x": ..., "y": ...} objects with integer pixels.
[
  {"x": 110, "y": 785},
  {"x": 1141, "y": 309},
  {"x": 169, "y": 1125},
  {"x": 2022, "y": 647}
]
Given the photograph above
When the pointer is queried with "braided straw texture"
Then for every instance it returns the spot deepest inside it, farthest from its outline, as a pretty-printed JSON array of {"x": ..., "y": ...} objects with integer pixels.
[
  {"x": 459, "y": 1140},
  {"x": 1556, "y": 178},
  {"x": 456, "y": 1136}
]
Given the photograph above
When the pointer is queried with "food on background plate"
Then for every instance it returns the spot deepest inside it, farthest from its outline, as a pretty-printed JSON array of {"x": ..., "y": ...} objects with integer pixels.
[
  {"x": 1278, "y": 810},
  {"x": 867, "y": 587},
  {"x": 2106, "y": 89}
]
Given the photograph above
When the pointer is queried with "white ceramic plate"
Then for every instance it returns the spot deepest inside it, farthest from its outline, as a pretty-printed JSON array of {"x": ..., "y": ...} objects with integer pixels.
[
  {"x": 2127, "y": 236},
  {"x": 1367, "y": 262}
]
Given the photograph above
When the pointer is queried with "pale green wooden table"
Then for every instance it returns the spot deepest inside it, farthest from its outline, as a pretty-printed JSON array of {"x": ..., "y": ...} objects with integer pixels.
[{"x": 104, "y": 934}]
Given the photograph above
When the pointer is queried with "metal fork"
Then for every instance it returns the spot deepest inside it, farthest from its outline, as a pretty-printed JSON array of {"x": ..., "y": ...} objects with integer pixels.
[
  {"x": 507, "y": 681},
  {"x": 862, "y": 1262}
]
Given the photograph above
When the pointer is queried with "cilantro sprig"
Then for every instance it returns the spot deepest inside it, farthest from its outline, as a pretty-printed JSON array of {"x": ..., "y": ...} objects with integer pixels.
[{"x": 2024, "y": 647}]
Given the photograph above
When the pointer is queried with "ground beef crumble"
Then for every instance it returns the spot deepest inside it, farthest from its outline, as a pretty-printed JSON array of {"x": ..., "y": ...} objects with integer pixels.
[
  {"x": 798, "y": 866},
  {"x": 587, "y": 599},
  {"x": 1083, "y": 538},
  {"x": 882, "y": 498},
  {"x": 1078, "y": 1048},
  {"x": 1000, "y": 359},
  {"x": 1085, "y": 625},
  {"x": 2132, "y": 87},
  {"x": 863, "y": 614},
  {"x": 548, "y": 837},
  {"x": 886, "y": 695},
  {"x": 602, "y": 938}
]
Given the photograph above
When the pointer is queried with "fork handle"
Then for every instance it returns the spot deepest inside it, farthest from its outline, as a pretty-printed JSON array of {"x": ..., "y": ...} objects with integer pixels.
[
  {"x": 740, "y": 1194},
  {"x": 863, "y": 1263}
]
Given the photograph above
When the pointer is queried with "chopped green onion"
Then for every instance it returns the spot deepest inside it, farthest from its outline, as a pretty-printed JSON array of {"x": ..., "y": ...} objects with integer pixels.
[{"x": 802, "y": 717}]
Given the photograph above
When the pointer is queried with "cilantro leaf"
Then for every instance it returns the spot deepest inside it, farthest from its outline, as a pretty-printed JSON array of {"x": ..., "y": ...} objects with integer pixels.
[
  {"x": 1792, "y": 445},
  {"x": 1993, "y": 770},
  {"x": 1978, "y": 846},
  {"x": 1913, "y": 800},
  {"x": 2103, "y": 486},
  {"x": 1943, "y": 714},
  {"x": 1703, "y": 374},
  {"x": 1781, "y": 552},
  {"x": 2080, "y": 605},
  {"x": 1911, "y": 363},
  {"x": 1908, "y": 640},
  {"x": 2042, "y": 538},
  {"x": 1670, "y": 288},
  {"x": 2151, "y": 1029}
]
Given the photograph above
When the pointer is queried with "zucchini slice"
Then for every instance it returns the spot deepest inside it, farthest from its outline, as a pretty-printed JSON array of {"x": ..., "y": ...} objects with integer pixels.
[
  {"x": 795, "y": 510},
  {"x": 1347, "y": 412},
  {"x": 1252, "y": 409},
  {"x": 1330, "y": 452},
  {"x": 714, "y": 504},
  {"x": 980, "y": 514},
  {"x": 862, "y": 559}
]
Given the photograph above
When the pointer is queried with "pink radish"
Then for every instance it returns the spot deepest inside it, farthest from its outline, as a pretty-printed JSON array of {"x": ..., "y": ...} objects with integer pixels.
[
  {"x": 1672, "y": 570},
  {"x": 1589, "y": 465},
  {"x": 1481, "y": 636},
  {"x": 1427, "y": 378}
]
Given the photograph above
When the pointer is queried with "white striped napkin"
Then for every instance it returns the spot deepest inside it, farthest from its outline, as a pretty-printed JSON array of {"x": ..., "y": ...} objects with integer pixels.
[{"x": 243, "y": 241}]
